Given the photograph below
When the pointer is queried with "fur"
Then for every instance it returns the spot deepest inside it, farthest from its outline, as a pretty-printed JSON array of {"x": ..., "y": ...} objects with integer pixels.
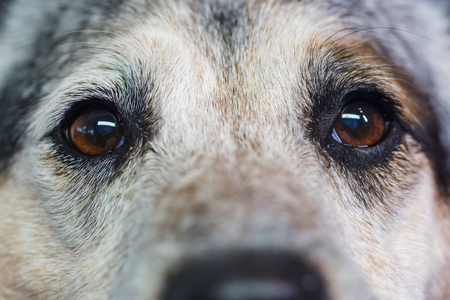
[{"x": 228, "y": 107}]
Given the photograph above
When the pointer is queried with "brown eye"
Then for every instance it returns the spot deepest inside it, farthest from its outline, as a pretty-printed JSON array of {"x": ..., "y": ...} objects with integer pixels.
[
  {"x": 360, "y": 124},
  {"x": 95, "y": 131}
]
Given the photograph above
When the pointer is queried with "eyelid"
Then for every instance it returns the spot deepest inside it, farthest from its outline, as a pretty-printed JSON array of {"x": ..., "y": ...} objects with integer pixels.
[
  {"x": 81, "y": 102},
  {"x": 374, "y": 95}
]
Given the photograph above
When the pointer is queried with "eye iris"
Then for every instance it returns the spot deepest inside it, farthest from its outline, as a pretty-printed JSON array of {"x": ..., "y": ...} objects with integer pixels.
[
  {"x": 360, "y": 124},
  {"x": 95, "y": 131}
]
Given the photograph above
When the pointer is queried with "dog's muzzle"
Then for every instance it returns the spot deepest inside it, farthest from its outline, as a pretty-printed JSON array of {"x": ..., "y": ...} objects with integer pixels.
[{"x": 247, "y": 276}]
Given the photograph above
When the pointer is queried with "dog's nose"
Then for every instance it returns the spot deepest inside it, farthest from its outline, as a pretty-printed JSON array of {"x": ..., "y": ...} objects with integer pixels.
[{"x": 247, "y": 276}]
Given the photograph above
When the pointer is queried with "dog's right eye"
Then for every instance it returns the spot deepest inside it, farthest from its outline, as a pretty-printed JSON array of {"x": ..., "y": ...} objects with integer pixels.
[
  {"x": 95, "y": 130},
  {"x": 360, "y": 124},
  {"x": 359, "y": 131}
]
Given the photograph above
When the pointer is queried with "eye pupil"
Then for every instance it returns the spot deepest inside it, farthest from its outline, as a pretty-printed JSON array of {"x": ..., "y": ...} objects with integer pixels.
[
  {"x": 95, "y": 131},
  {"x": 360, "y": 124},
  {"x": 354, "y": 120},
  {"x": 105, "y": 128}
]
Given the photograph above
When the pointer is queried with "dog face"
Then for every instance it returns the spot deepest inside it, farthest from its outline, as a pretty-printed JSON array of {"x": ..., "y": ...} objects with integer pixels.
[{"x": 199, "y": 149}]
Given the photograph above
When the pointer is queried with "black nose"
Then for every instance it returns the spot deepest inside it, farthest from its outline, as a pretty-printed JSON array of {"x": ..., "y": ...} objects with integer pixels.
[{"x": 247, "y": 276}]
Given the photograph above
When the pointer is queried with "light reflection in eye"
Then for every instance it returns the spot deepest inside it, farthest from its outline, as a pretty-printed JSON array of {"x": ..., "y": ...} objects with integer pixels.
[
  {"x": 351, "y": 116},
  {"x": 355, "y": 116},
  {"x": 359, "y": 125},
  {"x": 106, "y": 123},
  {"x": 95, "y": 131}
]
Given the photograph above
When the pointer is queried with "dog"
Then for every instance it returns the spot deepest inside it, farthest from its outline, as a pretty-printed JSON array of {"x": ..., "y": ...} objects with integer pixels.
[{"x": 224, "y": 150}]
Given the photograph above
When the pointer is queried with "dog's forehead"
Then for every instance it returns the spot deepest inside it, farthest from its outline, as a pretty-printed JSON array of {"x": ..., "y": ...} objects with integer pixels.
[
  {"x": 203, "y": 56},
  {"x": 224, "y": 58},
  {"x": 262, "y": 62},
  {"x": 227, "y": 55},
  {"x": 254, "y": 64}
]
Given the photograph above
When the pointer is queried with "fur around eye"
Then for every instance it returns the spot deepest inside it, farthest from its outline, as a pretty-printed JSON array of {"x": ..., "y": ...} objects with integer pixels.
[{"x": 360, "y": 129}]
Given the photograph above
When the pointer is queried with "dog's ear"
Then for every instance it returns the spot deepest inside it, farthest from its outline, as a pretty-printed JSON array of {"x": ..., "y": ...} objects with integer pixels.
[
  {"x": 6, "y": 148},
  {"x": 431, "y": 40},
  {"x": 15, "y": 78},
  {"x": 11, "y": 116},
  {"x": 440, "y": 147},
  {"x": 439, "y": 56},
  {"x": 15, "y": 108},
  {"x": 3, "y": 9}
]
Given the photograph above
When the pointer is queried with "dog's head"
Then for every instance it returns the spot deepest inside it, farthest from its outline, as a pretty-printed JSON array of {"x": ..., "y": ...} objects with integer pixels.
[{"x": 223, "y": 150}]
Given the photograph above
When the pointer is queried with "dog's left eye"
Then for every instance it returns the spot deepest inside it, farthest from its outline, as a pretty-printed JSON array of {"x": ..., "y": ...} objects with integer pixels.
[{"x": 95, "y": 130}]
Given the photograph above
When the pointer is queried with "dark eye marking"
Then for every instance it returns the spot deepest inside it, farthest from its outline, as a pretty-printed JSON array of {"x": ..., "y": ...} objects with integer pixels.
[
  {"x": 95, "y": 130},
  {"x": 100, "y": 131},
  {"x": 358, "y": 128}
]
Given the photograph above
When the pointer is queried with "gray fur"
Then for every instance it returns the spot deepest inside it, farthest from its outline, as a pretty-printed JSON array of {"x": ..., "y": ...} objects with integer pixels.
[{"x": 224, "y": 104}]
